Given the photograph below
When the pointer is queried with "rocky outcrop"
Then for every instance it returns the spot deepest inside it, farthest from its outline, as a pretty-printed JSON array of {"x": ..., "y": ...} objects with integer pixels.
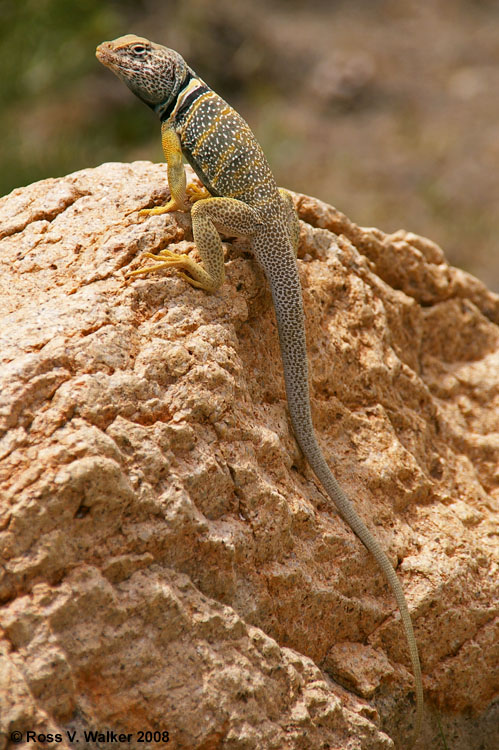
[{"x": 168, "y": 562}]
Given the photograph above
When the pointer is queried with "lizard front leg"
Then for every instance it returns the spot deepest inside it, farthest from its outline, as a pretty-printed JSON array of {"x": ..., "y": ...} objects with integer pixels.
[
  {"x": 176, "y": 174},
  {"x": 208, "y": 216},
  {"x": 176, "y": 178}
]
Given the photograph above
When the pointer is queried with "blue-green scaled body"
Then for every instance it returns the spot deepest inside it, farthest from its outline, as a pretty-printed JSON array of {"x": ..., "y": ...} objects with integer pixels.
[{"x": 242, "y": 199}]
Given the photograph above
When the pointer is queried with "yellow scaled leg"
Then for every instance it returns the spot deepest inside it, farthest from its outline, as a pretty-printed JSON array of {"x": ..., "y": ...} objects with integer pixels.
[
  {"x": 196, "y": 193},
  {"x": 176, "y": 178},
  {"x": 193, "y": 192},
  {"x": 208, "y": 216},
  {"x": 168, "y": 259},
  {"x": 176, "y": 175},
  {"x": 170, "y": 206}
]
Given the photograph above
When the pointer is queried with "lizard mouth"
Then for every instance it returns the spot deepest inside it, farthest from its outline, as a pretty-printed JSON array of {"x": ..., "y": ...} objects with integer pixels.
[
  {"x": 105, "y": 55},
  {"x": 108, "y": 58}
]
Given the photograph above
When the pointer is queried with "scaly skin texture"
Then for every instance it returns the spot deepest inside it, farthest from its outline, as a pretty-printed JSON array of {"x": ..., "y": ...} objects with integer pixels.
[{"x": 245, "y": 201}]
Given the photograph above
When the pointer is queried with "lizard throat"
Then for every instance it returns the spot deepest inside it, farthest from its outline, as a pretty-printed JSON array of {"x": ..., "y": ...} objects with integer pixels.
[{"x": 191, "y": 89}]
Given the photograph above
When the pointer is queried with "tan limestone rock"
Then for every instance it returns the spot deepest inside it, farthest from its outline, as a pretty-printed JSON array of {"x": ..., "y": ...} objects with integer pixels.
[{"x": 167, "y": 560}]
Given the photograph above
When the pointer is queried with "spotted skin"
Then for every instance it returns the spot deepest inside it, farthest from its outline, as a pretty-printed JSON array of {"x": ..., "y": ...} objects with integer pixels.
[{"x": 245, "y": 201}]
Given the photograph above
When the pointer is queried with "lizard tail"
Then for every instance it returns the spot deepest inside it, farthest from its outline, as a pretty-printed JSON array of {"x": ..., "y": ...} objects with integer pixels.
[
  {"x": 286, "y": 292},
  {"x": 349, "y": 514}
]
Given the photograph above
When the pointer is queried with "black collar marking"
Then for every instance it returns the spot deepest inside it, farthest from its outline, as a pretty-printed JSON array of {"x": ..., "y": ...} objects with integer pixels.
[
  {"x": 165, "y": 112},
  {"x": 192, "y": 98}
]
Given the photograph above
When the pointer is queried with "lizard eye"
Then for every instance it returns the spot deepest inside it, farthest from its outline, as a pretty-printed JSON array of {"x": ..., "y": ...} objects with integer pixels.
[{"x": 138, "y": 49}]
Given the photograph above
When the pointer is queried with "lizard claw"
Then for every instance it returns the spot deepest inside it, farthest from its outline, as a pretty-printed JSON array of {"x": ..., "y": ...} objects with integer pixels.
[
  {"x": 196, "y": 193},
  {"x": 196, "y": 275},
  {"x": 172, "y": 205}
]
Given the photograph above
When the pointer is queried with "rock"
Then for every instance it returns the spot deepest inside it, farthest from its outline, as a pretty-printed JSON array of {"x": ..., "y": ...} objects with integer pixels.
[{"x": 168, "y": 562}]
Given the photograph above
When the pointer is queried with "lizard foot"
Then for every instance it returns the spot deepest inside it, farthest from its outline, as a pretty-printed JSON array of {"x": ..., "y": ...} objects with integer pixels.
[
  {"x": 172, "y": 205},
  {"x": 196, "y": 193},
  {"x": 198, "y": 277}
]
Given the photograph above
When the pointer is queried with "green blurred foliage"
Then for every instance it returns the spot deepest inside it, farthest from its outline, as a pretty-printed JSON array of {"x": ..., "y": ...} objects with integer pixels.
[
  {"x": 40, "y": 46},
  {"x": 59, "y": 110},
  {"x": 46, "y": 51}
]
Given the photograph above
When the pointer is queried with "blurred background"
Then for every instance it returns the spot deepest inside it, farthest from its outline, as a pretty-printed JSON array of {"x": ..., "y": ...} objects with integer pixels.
[{"x": 387, "y": 109}]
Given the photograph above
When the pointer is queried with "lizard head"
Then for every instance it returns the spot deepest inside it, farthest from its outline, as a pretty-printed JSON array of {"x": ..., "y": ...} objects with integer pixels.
[{"x": 153, "y": 72}]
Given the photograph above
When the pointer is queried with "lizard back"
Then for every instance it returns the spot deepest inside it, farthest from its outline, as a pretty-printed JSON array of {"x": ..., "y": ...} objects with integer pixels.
[{"x": 221, "y": 148}]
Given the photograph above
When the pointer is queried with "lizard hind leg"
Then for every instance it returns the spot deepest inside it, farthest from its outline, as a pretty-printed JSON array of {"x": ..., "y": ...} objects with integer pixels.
[
  {"x": 225, "y": 214},
  {"x": 208, "y": 216}
]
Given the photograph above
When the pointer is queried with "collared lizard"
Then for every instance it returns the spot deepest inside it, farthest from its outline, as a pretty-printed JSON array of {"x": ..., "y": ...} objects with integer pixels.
[{"x": 242, "y": 199}]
